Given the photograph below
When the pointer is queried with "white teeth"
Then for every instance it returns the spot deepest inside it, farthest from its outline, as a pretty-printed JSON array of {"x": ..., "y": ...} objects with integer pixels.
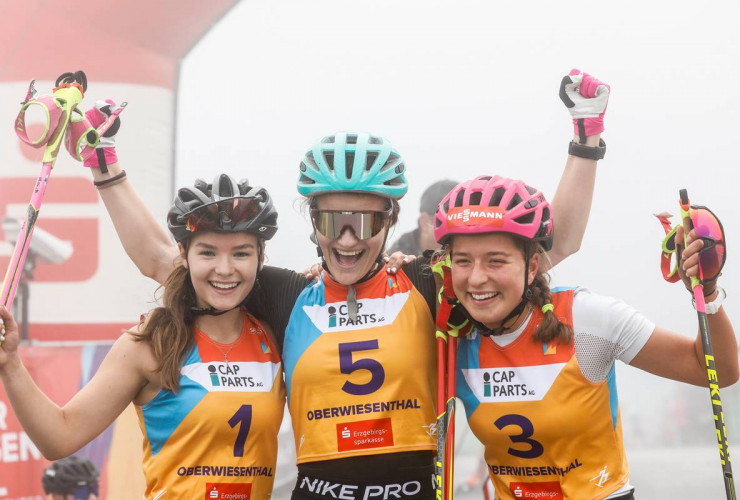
[
  {"x": 349, "y": 254},
  {"x": 224, "y": 286},
  {"x": 483, "y": 296}
]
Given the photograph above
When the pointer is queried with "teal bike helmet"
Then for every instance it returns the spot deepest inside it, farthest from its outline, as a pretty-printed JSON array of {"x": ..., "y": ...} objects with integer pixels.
[{"x": 353, "y": 163}]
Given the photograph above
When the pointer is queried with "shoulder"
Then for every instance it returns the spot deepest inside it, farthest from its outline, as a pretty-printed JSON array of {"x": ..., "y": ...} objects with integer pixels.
[
  {"x": 133, "y": 353},
  {"x": 600, "y": 321}
]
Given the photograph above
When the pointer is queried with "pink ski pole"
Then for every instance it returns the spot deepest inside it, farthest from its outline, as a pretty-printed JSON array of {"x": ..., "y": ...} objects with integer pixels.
[{"x": 59, "y": 111}]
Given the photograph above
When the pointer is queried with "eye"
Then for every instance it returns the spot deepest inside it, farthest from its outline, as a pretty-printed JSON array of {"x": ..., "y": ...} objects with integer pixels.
[
  {"x": 460, "y": 261},
  {"x": 243, "y": 254},
  {"x": 206, "y": 253}
]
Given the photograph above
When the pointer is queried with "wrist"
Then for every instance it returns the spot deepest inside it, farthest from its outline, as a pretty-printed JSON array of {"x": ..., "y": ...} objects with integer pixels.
[
  {"x": 596, "y": 152},
  {"x": 713, "y": 301},
  {"x": 591, "y": 140},
  {"x": 12, "y": 365}
]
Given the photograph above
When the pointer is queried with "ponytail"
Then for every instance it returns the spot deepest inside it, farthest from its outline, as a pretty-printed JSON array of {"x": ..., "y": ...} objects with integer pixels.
[{"x": 551, "y": 328}]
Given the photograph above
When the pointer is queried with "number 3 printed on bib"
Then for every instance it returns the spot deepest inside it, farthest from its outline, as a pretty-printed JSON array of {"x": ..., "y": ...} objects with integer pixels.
[{"x": 535, "y": 448}]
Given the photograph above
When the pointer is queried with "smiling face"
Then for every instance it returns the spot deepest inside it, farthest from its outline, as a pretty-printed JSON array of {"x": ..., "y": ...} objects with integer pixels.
[
  {"x": 222, "y": 267},
  {"x": 347, "y": 257},
  {"x": 488, "y": 275}
]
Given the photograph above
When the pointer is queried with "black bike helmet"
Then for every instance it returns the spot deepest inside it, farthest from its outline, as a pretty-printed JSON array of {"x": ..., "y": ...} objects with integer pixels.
[
  {"x": 67, "y": 475},
  {"x": 225, "y": 206}
]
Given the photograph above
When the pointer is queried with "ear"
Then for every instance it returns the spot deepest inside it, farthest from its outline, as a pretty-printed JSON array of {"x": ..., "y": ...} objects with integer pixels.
[
  {"x": 534, "y": 267},
  {"x": 183, "y": 255}
]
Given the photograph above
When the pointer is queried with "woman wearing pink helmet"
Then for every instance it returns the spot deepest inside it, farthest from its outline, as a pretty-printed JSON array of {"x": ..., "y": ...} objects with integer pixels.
[{"x": 536, "y": 375}]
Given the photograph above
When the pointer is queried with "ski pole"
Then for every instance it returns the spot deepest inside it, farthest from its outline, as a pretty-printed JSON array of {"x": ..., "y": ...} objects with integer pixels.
[
  {"x": 439, "y": 463},
  {"x": 60, "y": 109},
  {"x": 719, "y": 419},
  {"x": 449, "y": 456}
]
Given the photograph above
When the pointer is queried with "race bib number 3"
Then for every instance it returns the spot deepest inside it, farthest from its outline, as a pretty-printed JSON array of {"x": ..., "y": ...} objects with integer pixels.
[{"x": 232, "y": 491}]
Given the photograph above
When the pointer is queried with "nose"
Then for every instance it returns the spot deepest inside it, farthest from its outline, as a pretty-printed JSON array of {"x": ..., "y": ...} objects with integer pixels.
[
  {"x": 224, "y": 265},
  {"x": 477, "y": 276},
  {"x": 347, "y": 237}
]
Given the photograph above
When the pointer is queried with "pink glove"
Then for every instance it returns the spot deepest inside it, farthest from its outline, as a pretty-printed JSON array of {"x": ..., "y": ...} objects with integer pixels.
[
  {"x": 586, "y": 98},
  {"x": 105, "y": 153}
]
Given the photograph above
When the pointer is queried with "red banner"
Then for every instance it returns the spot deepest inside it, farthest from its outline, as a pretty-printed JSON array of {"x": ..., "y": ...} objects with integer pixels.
[{"x": 60, "y": 372}]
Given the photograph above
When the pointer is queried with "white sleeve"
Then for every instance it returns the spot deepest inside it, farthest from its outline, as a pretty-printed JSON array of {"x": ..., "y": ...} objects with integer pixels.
[{"x": 606, "y": 329}]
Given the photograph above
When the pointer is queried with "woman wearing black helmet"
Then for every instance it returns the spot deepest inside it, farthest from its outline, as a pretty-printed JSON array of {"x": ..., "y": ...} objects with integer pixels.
[
  {"x": 204, "y": 374},
  {"x": 71, "y": 478}
]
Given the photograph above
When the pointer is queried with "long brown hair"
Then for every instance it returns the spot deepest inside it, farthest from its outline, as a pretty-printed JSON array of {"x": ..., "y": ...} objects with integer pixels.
[
  {"x": 551, "y": 327},
  {"x": 169, "y": 329}
]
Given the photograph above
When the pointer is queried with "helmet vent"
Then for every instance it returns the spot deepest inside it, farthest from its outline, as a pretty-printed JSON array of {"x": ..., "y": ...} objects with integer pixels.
[
  {"x": 349, "y": 162},
  {"x": 309, "y": 162},
  {"x": 351, "y": 139},
  {"x": 498, "y": 193},
  {"x": 328, "y": 159},
  {"x": 372, "y": 157},
  {"x": 525, "y": 219},
  {"x": 531, "y": 190},
  {"x": 515, "y": 200},
  {"x": 545, "y": 214},
  {"x": 375, "y": 140},
  {"x": 459, "y": 198},
  {"x": 306, "y": 180},
  {"x": 475, "y": 198}
]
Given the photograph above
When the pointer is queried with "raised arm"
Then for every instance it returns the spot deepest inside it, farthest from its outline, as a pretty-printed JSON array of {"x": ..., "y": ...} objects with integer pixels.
[
  {"x": 586, "y": 99},
  {"x": 59, "y": 432},
  {"x": 146, "y": 242}
]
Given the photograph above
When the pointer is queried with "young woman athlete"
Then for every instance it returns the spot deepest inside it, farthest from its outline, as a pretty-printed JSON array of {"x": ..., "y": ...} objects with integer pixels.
[
  {"x": 204, "y": 374},
  {"x": 358, "y": 345},
  {"x": 537, "y": 374}
]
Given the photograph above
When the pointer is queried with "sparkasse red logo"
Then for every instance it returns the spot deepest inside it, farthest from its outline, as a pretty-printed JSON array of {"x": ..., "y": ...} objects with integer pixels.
[
  {"x": 544, "y": 490},
  {"x": 364, "y": 434}
]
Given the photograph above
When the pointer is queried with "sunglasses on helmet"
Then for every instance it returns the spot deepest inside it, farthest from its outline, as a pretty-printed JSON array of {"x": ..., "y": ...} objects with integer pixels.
[
  {"x": 365, "y": 224},
  {"x": 712, "y": 257},
  {"x": 221, "y": 215}
]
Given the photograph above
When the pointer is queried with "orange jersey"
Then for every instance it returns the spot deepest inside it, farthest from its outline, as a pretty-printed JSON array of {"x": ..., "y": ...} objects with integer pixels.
[
  {"x": 217, "y": 436},
  {"x": 361, "y": 386},
  {"x": 549, "y": 432}
]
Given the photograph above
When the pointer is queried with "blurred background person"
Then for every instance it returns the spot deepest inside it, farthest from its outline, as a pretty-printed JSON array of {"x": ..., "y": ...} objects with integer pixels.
[
  {"x": 422, "y": 238},
  {"x": 71, "y": 478}
]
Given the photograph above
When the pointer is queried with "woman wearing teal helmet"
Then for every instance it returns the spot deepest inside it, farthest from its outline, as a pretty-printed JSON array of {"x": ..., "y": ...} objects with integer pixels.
[{"x": 358, "y": 344}]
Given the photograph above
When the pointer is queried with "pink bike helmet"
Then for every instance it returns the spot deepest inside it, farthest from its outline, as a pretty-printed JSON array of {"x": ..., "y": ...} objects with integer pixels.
[{"x": 494, "y": 204}]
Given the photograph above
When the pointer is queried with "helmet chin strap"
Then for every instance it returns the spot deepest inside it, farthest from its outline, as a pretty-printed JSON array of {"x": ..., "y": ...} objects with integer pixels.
[{"x": 503, "y": 327}]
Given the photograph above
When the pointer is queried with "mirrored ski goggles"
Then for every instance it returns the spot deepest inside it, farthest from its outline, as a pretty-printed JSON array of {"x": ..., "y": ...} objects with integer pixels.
[
  {"x": 221, "y": 215},
  {"x": 709, "y": 229},
  {"x": 365, "y": 225}
]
